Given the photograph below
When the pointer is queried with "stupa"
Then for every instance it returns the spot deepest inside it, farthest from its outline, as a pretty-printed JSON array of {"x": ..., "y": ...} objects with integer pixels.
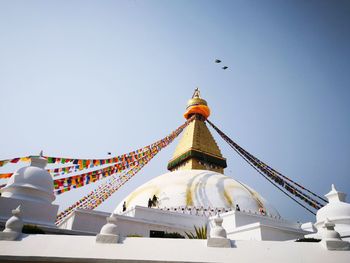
[
  {"x": 196, "y": 179},
  {"x": 194, "y": 193},
  {"x": 32, "y": 188}
]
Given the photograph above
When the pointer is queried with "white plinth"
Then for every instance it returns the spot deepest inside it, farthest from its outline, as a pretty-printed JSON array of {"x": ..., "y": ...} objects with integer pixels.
[{"x": 36, "y": 213}]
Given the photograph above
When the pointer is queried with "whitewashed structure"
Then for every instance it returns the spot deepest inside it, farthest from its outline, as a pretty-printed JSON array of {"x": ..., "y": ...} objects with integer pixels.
[
  {"x": 337, "y": 211},
  {"x": 242, "y": 225},
  {"x": 32, "y": 188},
  {"x": 209, "y": 192}
]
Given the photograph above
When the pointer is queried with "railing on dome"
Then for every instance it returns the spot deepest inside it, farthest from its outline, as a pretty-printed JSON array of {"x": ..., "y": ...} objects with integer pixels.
[
  {"x": 205, "y": 212},
  {"x": 197, "y": 211}
]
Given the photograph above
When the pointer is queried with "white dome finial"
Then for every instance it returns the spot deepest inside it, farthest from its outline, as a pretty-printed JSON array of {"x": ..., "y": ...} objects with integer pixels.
[
  {"x": 38, "y": 161},
  {"x": 17, "y": 211},
  {"x": 335, "y": 196}
]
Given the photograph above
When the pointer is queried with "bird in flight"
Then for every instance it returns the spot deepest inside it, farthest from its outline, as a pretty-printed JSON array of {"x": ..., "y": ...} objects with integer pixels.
[{"x": 219, "y": 61}]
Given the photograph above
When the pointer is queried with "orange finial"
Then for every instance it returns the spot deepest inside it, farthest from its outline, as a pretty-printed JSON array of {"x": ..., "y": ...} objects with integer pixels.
[{"x": 197, "y": 105}]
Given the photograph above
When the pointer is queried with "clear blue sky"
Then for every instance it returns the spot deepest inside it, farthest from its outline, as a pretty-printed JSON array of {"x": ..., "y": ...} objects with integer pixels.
[{"x": 83, "y": 78}]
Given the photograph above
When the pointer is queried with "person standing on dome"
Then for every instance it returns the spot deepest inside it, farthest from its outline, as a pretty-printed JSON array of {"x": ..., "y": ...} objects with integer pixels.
[
  {"x": 154, "y": 200},
  {"x": 237, "y": 207}
]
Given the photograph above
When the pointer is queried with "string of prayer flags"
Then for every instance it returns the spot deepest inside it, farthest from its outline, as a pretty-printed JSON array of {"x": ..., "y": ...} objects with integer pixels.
[
  {"x": 54, "y": 172},
  {"x": 68, "y": 183},
  {"x": 106, "y": 189},
  {"x": 131, "y": 156},
  {"x": 99, "y": 195},
  {"x": 274, "y": 176},
  {"x": 15, "y": 160},
  {"x": 63, "y": 170},
  {"x": 84, "y": 179},
  {"x": 4, "y": 176}
]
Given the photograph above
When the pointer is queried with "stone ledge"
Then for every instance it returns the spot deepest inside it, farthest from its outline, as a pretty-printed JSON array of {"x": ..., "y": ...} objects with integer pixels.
[
  {"x": 218, "y": 242},
  {"x": 9, "y": 236},
  {"x": 335, "y": 244},
  {"x": 107, "y": 239}
]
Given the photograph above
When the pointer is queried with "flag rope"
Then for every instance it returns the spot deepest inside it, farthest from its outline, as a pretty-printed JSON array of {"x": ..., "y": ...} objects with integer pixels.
[
  {"x": 273, "y": 176},
  {"x": 106, "y": 189}
]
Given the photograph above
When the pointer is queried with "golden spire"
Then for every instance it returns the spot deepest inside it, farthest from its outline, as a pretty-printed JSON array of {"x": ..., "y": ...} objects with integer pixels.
[{"x": 197, "y": 148}]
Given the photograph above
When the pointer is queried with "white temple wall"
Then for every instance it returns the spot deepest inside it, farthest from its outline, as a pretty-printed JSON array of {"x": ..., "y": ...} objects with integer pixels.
[
  {"x": 32, "y": 212},
  {"x": 85, "y": 220},
  {"x": 127, "y": 227},
  {"x": 251, "y": 232},
  {"x": 89, "y": 222},
  {"x": 68, "y": 222},
  {"x": 279, "y": 234},
  {"x": 143, "y": 221},
  {"x": 258, "y": 231},
  {"x": 235, "y": 219},
  {"x": 180, "y": 220}
]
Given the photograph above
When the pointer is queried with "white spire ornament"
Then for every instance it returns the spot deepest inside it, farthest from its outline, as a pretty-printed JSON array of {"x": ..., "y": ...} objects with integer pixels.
[
  {"x": 218, "y": 236},
  {"x": 337, "y": 211},
  {"x": 109, "y": 232},
  {"x": 13, "y": 226}
]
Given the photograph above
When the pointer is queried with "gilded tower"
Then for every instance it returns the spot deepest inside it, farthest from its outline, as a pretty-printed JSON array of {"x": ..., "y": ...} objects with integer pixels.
[{"x": 197, "y": 149}]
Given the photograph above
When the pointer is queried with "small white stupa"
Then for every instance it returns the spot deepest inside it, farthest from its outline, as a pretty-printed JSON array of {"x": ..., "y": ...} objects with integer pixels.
[
  {"x": 30, "y": 187},
  {"x": 337, "y": 211}
]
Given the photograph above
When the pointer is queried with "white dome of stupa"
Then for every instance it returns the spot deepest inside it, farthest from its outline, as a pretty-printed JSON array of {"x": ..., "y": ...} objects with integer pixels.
[
  {"x": 31, "y": 183},
  {"x": 196, "y": 181},
  {"x": 201, "y": 189}
]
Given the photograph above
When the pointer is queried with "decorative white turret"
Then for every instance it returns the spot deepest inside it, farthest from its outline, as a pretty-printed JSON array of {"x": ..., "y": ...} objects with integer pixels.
[
  {"x": 109, "y": 232},
  {"x": 218, "y": 236},
  {"x": 337, "y": 211},
  {"x": 13, "y": 226},
  {"x": 32, "y": 188},
  {"x": 31, "y": 183},
  {"x": 218, "y": 231}
]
